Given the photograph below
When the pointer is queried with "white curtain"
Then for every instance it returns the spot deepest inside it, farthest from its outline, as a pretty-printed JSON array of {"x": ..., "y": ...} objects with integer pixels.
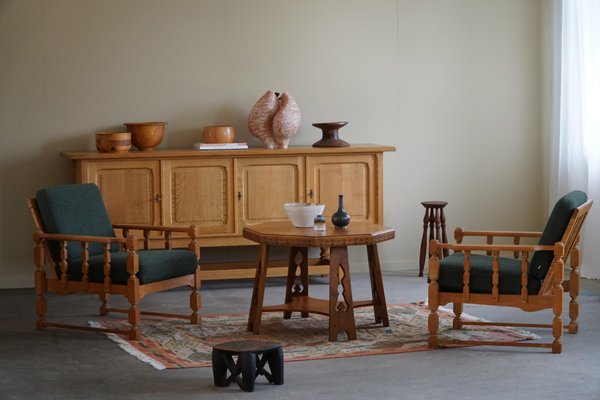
[{"x": 576, "y": 125}]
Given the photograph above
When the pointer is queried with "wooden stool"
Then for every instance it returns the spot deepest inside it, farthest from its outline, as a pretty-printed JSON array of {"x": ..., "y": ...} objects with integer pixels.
[
  {"x": 434, "y": 217},
  {"x": 249, "y": 364}
]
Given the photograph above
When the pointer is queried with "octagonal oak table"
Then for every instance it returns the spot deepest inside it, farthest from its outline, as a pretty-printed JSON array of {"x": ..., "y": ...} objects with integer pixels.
[{"x": 340, "y": 305}]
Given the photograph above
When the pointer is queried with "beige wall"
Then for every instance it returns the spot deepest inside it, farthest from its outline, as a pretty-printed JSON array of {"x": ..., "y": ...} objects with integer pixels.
[{"x": 454, "y": 85}]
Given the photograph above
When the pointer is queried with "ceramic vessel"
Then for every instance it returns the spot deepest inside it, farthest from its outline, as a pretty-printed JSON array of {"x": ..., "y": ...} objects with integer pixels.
[
  {"x": 274, "y": 119},
  {"x": 330, "y": 134},
  {"x": 218, "y": 134},
  {"x": 302, "y": 215},
  {"x": 286, "y": 121},
  {"x": 113, "y": 142},
  {"x": 340, "y": 218},
  {"x": 261, "y": 117},
  {"x": 146, "y": 135}
]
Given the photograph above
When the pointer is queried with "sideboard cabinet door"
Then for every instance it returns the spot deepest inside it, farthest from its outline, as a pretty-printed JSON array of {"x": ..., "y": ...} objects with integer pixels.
[
  {"x": 199, "y": 192},
  {"x": 264, "y": 184},
  {"x": 357, "y": 177},
  {"x": 130, "y": 189}
]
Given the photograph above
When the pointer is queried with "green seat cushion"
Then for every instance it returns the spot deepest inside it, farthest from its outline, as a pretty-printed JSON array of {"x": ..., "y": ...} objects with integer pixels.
[
  {"x": 154, "y": 266},
  {"x": 75, "y": 210},
  {"x": 452, "y": 269},
  {"x": 554, "y": 230}
]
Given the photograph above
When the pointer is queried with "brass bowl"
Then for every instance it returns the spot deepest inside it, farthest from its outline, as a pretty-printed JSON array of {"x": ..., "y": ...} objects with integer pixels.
[
  {"x": 218, "y": 134},
  {"x": 113, "y": 142},
  {"x": 146, "y": 135}
]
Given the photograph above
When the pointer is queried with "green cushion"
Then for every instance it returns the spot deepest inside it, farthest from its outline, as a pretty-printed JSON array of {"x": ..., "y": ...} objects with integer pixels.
[
  {"x": 554, "y": 231},
  {"x": 452, "y": 269},
  {"x": 76, "y": 210},
  {"x": 154, "y": 266}
]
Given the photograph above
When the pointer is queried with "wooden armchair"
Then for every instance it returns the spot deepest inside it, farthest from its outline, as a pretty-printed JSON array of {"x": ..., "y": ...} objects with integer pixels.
[
  {"x": 77, "y": 251},
  {"x": 518, "y": 281}
]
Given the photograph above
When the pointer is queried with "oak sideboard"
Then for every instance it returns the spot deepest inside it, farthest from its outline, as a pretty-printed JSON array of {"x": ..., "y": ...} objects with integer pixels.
[{"x": 221, "y": 191}]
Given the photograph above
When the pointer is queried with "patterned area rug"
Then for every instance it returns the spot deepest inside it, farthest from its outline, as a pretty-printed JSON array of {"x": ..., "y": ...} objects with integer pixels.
[{"x": 172, "y": 343}]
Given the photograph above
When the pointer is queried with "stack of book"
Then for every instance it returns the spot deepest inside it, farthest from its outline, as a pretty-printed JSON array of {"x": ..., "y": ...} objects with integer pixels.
[{"x": 220, "y": 146}]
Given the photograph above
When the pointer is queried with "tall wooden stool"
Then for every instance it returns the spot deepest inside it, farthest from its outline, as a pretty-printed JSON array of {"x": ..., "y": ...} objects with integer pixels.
[
  {"x": 249, "y": 364},
  {"x": 434, "y": 219}
]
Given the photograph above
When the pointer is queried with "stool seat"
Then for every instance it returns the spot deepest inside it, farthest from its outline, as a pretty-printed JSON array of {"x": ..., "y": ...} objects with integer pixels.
[
  {"x": 434, "y": 204},
  {"x": 249, "y": 364},
  {"x": 435, "y": 220},
  {"x": 241, "y": 346}
]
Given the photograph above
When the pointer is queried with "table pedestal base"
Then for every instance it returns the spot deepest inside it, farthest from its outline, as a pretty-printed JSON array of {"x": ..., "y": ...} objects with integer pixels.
[{"x": 339, "y": 307}]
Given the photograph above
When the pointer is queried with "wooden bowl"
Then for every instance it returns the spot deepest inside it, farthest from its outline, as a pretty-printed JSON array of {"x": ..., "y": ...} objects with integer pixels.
[
  {"x": 218, "y": 134},
  {"x": 113, "y": 142},
  {"x": 146, "y": 135}
]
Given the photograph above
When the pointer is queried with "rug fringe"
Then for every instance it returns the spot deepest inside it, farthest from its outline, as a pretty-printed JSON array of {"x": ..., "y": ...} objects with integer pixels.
[{"x": 129, "y": 348}]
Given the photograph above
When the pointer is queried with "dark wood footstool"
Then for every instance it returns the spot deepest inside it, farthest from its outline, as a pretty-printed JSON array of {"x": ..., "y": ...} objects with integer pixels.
[{"x": 249, "y": 363}]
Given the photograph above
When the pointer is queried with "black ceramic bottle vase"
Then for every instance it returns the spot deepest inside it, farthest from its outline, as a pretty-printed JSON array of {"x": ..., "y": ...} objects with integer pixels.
[{"x": 340, "y": 218}]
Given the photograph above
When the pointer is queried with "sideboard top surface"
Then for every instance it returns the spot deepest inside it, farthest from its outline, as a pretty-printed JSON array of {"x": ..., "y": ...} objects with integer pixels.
[{"x": 251, "y": 152}]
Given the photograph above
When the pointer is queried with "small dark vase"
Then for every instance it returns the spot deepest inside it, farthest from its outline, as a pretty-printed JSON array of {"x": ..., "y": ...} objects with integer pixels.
[{"x": 340, "y": 218}]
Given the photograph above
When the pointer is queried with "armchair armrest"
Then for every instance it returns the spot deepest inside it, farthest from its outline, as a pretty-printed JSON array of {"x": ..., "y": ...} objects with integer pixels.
[
  {"x": 531, "y": 234},
  {"x": 79, "y": 238},
  {"x": 40, "y": 238},
  {"x": 519, "y": 248},
  {"x": 460, "y": 233},
  {"x": 192, "y": 232}
]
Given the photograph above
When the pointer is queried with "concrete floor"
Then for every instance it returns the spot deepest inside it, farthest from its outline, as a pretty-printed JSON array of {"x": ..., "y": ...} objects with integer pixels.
[{"x": 64, "y": 364}]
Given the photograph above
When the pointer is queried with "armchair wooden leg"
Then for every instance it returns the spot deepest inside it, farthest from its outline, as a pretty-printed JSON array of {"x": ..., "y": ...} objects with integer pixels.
[
  {"x": 574, "y": 291},
  {"x": 557, "y": 328},
  {"x": 133, "y": 288},
  {"x": 557, "y": 309},
  {"x": 434, "y": 319},
  {"x": 104, "y": 307},
  {"x": 41, "y": 305},
  {"x": 41, "y": 283},
  {"x": 433, "y": 325},
  {"x": 456, "y": 322},
  {"x": 195, "y": 299},
  {"x": 134, "y": 314},
  {"x": 134, "y": 321},
  {"x": 433, "y": 296}
]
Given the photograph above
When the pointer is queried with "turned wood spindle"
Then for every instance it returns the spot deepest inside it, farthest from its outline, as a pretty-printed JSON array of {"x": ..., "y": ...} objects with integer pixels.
[{"x": 435, "y": 221}]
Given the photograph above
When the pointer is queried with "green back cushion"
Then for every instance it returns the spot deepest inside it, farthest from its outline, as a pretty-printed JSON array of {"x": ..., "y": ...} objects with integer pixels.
[
  {"x": 553, "y": 232},
  {"x": 77, "y": 210}
]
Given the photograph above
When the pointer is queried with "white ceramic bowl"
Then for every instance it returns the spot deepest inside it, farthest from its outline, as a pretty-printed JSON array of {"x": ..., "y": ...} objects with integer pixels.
[{"x": 303, "y": 215}]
